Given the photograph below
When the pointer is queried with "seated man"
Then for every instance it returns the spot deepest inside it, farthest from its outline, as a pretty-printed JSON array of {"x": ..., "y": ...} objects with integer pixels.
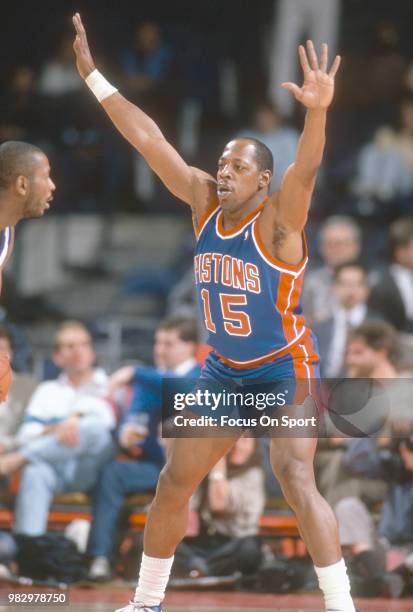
[
  {"x": 174, "y": 354},
  {"x": 230, "y": 503},
  {"x": 395, "y": 465},
  {"x": 350, "y": 292},
  {"x": 65, "y": 437}
]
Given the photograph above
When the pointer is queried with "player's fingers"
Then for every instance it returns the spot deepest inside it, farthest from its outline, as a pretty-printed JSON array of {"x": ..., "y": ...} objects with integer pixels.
[
  {"x": 324, "y": 57},
  {"x": 303, "y": 59},
  {"x": 75, "y": 20},
  {"x": 335, "y": 67},
  {"x": 293, "y": 88},
  {"x": 312, "y": 55},
  {"x": 80, "y": 29}
]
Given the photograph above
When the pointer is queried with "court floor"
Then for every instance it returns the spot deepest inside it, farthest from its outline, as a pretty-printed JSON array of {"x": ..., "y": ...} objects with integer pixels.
[{"x": 107, "y": 600}]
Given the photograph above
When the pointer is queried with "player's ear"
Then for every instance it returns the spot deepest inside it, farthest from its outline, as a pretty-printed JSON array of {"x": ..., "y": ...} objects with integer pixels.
[
  {"x": 22, "y": 185},
  {"x": 264, "y": 178}
]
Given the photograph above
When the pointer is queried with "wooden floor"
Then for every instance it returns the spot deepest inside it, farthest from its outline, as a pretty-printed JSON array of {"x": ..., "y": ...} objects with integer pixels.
[{"x": 107, "y": 600}]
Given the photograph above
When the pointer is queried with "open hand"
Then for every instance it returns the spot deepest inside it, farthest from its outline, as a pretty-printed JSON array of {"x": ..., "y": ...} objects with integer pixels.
[
  {"x": 318, "y": 88},
  {"x": 84, "y": 60}
]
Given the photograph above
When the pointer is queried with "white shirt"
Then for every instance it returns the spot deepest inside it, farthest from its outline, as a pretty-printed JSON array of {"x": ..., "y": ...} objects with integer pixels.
[
  {"x": 185, "y": 367},
  {"x": 344, "y": 320},
  {"x": 56, "y": 400},
  {"x": 403, "y": 277}
]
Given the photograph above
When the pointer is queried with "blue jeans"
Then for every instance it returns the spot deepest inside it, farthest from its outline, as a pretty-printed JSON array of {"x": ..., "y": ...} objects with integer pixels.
[
  {"x": 54, "y": 468},
  {"x": 117, "y": 479}
]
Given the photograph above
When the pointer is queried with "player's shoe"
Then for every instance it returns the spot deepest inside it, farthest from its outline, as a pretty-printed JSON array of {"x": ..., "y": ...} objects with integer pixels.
[{"x": 134, "y": 606}]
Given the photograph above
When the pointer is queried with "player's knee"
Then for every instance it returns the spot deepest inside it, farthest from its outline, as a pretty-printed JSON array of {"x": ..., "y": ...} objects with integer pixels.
[{"x": 173, "y": 489}]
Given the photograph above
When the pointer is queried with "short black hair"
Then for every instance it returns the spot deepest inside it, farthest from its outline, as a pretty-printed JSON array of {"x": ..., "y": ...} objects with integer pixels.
[
  {"x": 379, "y": 336},
  {"x": 263, "y": 155},
  {"x": 350, "y": 264},
  {"x": 400, "y": 233},
  {"x": 16, "y": 159},
  {"x": 186, "y": 327}
]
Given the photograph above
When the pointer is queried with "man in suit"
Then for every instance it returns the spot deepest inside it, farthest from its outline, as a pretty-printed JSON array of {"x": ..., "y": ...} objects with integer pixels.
[
  {"x": 339, "y": 242},
  {"x": 392, "y": 294},
  {"x": 350, "y": 294}
]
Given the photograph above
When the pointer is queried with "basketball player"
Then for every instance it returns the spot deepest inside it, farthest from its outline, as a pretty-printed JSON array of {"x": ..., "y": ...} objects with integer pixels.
[
  {"x": 249, "y": 266},
  {"x": 26, "y": 191}
]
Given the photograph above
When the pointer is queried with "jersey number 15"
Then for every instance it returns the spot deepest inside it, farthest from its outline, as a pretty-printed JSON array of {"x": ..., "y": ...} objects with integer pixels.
[{"x": 236, "y": 322}]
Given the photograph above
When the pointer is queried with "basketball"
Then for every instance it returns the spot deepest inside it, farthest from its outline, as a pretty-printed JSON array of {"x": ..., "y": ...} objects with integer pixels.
[{"x": 6, "y": 376}]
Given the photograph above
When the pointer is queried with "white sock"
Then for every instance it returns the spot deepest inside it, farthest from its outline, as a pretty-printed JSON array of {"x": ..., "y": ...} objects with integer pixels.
[
  {"x": 334, "y": 583},
  {"x": 153, "y": 578}
]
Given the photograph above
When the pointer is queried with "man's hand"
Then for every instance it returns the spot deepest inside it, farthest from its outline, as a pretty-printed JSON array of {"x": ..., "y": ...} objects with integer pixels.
[
  {"x": 318, "y": 88},
  {"x": 84, "y": 60},
  {"x": 67, "y": 432},
  {"x": 130, "y": 436}
]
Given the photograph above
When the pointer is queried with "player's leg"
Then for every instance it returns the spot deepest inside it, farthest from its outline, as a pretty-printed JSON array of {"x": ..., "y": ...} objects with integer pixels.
[
  {"x": 292, "y": 462},
  {"x": 189, "y": 461}
]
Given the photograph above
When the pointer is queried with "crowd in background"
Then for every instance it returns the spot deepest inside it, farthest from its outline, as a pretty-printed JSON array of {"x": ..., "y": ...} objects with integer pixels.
[{"x": 90, "y": 431}]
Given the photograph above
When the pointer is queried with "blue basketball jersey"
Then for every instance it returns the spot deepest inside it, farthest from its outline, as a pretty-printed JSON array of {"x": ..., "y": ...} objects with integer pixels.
[{"x": 250, "y": 301}]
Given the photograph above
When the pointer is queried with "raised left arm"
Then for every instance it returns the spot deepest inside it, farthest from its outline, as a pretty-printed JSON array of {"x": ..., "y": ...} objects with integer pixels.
[{"x": 293, "y": 200}]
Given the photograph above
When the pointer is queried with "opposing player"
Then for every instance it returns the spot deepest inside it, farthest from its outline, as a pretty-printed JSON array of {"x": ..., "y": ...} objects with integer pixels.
[
  {"x": 26, "y": 191},
  {"x": 249, "y": 266}
]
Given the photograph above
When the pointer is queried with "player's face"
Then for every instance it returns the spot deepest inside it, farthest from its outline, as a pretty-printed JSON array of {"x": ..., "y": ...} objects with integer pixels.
[
  {"x": 40, "y": 188},
  {"x": 361, "y": 360},
  {"x": 238, "y": 176},
  {"x": 75, "y": 354},
  {"x": 169, "y": 350},
  {"x": 351, "y": 288}
]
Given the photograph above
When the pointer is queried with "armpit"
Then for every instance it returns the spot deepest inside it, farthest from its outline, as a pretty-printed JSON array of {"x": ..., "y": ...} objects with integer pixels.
[{"x": 278, "y": 237}]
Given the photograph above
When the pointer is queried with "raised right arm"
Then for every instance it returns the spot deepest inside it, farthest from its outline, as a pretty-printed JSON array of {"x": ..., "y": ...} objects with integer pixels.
[{"x": 191, "y": 185}]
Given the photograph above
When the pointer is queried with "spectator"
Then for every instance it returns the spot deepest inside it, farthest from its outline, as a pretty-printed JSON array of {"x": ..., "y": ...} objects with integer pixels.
[
  {"x": 319, "y": 20},
  {"x": 18, "y": 105},
  {"x": 395, "y": 465},
  {"x": 384, "y": 178},
  {"x": 392, "y": 294},
  {"x": 60, "y": 105},
  {"x": 147, "y": 63},
  {"x": 350, "y": 292},
  {"x": 147, "y": 70},
  {"x": 371, "y": 352},
  {"x": 12, "y": 410},
  {"x": 59, "y": 76},
  {"x": 230, "y": 503},
  {"x": 174, "y": 354},
  {"x": 65, "y": 437},
  {"x": 340, "y": 242},
  {"x": 267, "y": 126}
]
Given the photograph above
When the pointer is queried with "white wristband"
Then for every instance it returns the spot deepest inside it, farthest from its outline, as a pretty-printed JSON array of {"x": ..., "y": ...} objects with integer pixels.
[{"x": 99, "y": 85}]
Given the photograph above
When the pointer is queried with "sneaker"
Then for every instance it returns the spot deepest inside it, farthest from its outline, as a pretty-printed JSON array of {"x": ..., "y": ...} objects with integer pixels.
[
  {"x": 100, "y": 569},
  {"x": 133, "y": 606}
]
